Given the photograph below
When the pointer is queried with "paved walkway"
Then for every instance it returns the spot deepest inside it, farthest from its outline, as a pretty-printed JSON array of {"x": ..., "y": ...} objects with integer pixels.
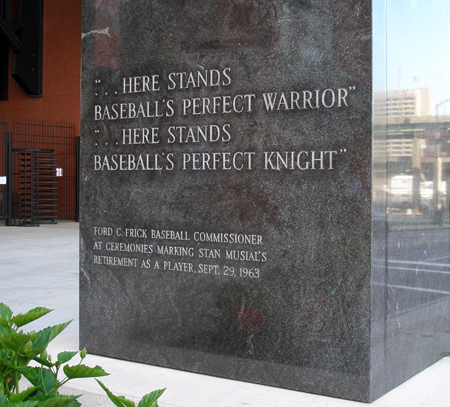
[{"x": 39, "y": 267}]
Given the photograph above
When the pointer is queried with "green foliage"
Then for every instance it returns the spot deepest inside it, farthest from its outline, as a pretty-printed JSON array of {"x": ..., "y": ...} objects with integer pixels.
[
  {"x": 18, "y": 349},
  {"x": 149, "y": 400},
  {"x": 24, "y": 319},
  {"x": 81, "y": 371}
]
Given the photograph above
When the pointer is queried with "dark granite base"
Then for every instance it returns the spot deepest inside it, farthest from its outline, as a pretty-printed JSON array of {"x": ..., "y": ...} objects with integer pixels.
[{"x": 233, "y": 210}]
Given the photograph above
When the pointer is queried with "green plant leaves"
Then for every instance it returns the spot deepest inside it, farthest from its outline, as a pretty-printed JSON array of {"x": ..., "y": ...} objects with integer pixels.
[
  {"x": 27, "y": 403},
  {"x": 26, "y": 371},
  {"x": 54, "y": 400},
  {"x": 83, "y": 371},
  {"x": 44, "y": 379},
  {"x": 5, "y": 315},
  {"x": 149, "y": 400},
  {"x": 119, "y": 401},
  {"x": 23, "y": 399},
  {"x": 17, "y": 349},
  {"x": 13, "y": 340},
  {"x": 3, "y": 398},
  {"x": 64, "y": 357},
  {"x": 47, "y": 335},
  {"x": 43, "y": 361},
  {"x": 15, "y": 398},
  {"x": 30, "y": 316}
]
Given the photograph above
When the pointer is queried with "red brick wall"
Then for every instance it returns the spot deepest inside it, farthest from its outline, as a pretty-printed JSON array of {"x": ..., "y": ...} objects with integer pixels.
[{"x": 61, "y": 70}]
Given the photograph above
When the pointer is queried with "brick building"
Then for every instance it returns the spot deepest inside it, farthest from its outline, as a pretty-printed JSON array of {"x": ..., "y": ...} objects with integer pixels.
[{"x": 40, "y": 100}]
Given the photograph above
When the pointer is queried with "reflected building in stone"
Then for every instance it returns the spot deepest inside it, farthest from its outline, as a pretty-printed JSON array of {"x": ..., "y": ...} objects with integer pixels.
[{"x": 405, "y": 103}]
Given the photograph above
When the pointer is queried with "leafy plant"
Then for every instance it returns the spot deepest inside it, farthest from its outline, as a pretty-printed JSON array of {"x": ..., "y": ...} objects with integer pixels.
[
  {"x": 149, "y": 400},
  {"x": 19, "y": 349}
]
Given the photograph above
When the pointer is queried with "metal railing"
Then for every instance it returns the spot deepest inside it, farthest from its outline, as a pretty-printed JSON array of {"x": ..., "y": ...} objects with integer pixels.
[{"x": 38, "y": 172}]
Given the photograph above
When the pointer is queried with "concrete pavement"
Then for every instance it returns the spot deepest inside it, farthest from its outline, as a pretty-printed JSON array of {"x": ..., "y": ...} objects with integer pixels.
[{"x": 39, "y": 267}]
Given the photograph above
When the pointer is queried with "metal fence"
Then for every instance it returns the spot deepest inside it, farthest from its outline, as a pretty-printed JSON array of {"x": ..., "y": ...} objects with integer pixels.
[
  {"x": 40, "y": 164},
  {"x": 3, "y": 170}
]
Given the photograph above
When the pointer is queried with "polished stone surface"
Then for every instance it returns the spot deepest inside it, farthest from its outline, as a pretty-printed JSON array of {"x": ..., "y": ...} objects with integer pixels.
[{"x": 234, "y": 218}]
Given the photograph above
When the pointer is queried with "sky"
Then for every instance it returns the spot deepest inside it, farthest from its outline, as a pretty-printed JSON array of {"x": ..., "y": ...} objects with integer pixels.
[{"x": 413, "y": 37}]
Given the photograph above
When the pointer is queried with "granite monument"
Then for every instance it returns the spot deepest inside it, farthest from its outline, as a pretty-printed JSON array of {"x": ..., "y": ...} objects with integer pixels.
[{"x": 235, "y": 219}]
